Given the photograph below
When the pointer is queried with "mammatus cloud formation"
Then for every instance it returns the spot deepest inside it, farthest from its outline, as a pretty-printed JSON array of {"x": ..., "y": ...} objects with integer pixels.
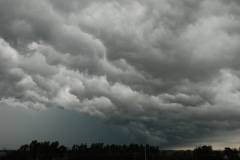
[{"x": 168, "y": 71}]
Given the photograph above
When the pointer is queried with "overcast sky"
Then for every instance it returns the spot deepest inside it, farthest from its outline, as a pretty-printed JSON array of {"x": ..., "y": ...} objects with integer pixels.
[{"x": 163, "y": 72}]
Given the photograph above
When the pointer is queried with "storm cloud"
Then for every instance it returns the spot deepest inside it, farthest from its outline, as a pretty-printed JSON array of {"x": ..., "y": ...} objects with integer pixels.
[{"x": 167, "y": 71}]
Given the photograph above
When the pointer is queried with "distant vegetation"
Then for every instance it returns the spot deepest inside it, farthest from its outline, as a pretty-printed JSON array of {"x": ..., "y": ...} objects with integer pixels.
[{"x": 98, "y": 151}]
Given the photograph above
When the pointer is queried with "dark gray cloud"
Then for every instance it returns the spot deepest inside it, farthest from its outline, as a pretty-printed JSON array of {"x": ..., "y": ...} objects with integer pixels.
[{"x": 167, "y": 71}]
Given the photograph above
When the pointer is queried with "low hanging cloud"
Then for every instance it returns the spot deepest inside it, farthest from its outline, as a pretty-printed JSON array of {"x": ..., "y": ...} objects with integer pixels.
[{"x": 166, "y": 70}]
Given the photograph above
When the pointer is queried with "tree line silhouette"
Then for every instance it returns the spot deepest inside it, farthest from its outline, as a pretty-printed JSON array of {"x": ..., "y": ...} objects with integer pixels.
[{"x": 98, "y": 151}]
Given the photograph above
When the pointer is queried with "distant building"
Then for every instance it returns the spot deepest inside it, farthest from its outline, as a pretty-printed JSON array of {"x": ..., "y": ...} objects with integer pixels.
[
  {"x": 225, "y": 157},
  {"x": 2, "y": 153},
  {"x": 5, "y": 152}
]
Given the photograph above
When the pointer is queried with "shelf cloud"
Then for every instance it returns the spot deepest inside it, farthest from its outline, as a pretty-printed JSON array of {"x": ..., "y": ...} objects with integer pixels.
[{"x": 167, "y": 71}]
